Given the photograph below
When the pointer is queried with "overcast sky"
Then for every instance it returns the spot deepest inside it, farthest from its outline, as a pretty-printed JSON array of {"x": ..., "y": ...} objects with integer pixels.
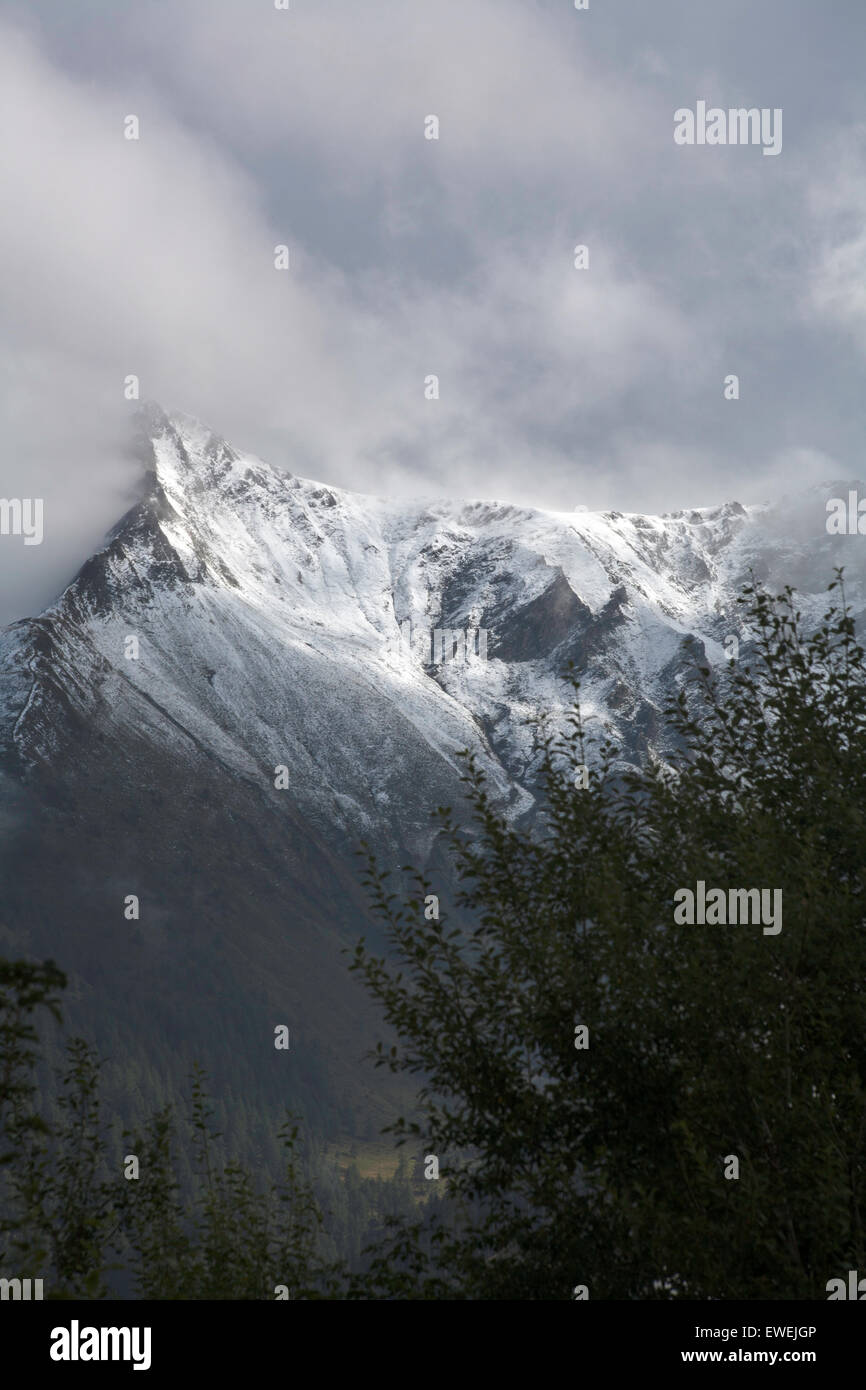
[{"x": 410, "y": 257}]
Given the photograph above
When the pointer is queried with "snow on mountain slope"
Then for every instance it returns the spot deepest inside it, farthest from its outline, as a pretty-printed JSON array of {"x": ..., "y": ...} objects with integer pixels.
[
  {"x": 268, "y": 613},
  {"x": 238, "y": 620}
]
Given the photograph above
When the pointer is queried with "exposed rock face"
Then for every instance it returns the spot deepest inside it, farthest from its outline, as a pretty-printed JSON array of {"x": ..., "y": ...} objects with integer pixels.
[{"x": 239, "y": 620}]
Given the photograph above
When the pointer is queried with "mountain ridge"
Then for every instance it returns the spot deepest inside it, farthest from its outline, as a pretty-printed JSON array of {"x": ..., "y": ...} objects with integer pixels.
[{"x": 242, "y": 628}]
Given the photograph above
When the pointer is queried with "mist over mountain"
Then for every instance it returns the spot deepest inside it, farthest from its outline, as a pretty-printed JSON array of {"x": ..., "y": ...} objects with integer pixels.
[{"x": 245, "y": 682}]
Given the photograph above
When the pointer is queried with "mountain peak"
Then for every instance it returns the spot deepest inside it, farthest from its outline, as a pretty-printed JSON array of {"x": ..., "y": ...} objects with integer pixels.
[{"x": 182, "y": 452}]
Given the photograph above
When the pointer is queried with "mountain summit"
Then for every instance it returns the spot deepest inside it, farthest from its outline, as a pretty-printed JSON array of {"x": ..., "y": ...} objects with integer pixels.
[
  {"x": 257, "y": 671},
  {"x": 270, "y": 615}
]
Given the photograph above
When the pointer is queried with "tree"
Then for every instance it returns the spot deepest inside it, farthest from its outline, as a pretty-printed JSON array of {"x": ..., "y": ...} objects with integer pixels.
[
  {"x": 26, "y": 990},
  {"x": 68, "y": 1208},
  {"x": 227, "y": 1239},
  {"x": 604, "y": 1157}
]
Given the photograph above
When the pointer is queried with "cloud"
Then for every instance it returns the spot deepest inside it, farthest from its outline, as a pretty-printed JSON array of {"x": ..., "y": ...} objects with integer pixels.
[
  {"x": 837, "y": 290},
  {"x": 512, "y": 85},
  {"x": 409, "y": 257}
]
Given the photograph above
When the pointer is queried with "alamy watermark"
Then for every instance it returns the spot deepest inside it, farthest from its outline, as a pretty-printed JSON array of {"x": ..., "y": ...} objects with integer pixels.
[
  {"x": 77, "y": 1343},
  {"x": 729, "y": 907},
  {"x": 846, "y": 518},
  {"x": 855, "y": 1289},
  {"x": 23, "y": 1289},
  {"x": 435, "y": 646},
  {"x": 735, "y": 126},
  {"x": 22, "y": 516}
]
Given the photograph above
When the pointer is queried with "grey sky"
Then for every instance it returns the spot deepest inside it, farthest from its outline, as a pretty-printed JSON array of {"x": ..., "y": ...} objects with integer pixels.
[{"x": 410, "y": 257}]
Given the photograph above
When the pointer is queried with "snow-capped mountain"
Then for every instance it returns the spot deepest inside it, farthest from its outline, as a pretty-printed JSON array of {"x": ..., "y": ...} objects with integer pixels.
[
  {"x": 247, "y": 679},
  {"x": 263, "y": 620}
]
